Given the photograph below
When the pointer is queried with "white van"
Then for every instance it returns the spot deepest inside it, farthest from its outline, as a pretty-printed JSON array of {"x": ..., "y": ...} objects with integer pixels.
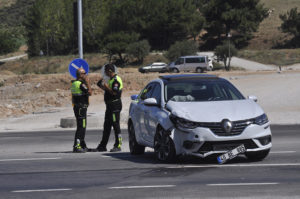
[{"x": 191, "y": 63}]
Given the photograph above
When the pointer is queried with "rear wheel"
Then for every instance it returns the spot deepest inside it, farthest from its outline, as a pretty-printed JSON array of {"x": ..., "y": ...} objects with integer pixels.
[
  {"x": 134, "y": 147},
  {"x": 257, "y": 155},
  {"x": 199, "y": 70},
  {"x": 175, "y": 70},
  {"x": 164, "y": 148}
]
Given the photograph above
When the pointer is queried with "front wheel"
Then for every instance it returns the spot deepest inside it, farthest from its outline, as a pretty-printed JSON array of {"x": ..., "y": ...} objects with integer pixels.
[
  {"x": 134, "y": 147},
  {"x": 164, "y": 148},
  {"x": 257, "y": 155}
]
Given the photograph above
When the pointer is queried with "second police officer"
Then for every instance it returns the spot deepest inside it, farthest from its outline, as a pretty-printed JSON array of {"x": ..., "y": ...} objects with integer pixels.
[{"x": 112, "y": 99}]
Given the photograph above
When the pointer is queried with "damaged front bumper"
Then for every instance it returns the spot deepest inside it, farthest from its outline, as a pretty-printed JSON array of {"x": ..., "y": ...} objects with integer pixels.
[{"x": 203, "y": 142}]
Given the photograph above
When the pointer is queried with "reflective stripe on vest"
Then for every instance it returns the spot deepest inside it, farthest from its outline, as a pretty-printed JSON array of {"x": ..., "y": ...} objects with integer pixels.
[
  {"x": 75, "y": 88},
  {"x": 111, "y": 81}
]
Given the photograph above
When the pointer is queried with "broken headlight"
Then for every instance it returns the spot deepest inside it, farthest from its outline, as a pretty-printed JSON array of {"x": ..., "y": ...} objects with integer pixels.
[
  {"x": 262, "y": 119},
  {"x": 183, "y": 123}
]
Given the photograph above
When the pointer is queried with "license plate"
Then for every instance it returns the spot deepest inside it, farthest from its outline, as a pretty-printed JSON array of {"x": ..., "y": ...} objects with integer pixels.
[{"x": 231, "y": 154}]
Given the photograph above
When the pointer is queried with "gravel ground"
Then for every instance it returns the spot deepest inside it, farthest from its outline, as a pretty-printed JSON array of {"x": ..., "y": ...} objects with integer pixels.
[{"x": 277, "y": 93}]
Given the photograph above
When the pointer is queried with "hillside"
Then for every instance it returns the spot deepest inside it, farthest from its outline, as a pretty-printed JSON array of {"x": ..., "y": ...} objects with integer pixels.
[
  {"x": 269, "y": 35},
  {"x": 6, "y": 3},
  {"x": 12, "y": 12}
]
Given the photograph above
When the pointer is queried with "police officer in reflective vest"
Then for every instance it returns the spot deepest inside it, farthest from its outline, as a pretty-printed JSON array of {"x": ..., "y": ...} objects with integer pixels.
[
  {"x": 81, "y": 90},
  {"x": 112, "y": 98}
]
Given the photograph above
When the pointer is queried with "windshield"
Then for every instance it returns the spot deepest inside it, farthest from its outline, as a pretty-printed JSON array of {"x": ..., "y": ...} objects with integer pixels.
[{"x": 201, "y": 90}]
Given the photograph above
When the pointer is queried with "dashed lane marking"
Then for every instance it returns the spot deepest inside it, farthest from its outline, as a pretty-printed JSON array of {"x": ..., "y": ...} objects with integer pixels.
[
  {"x": 236, "y": 165},
  {"x": 244, "y": 184},
  {"x": 283, "y": 151},
  {"x": 40, "y": 190},
  {"x": 29, "y": 159},
  {"x": 142, "y": 187}
]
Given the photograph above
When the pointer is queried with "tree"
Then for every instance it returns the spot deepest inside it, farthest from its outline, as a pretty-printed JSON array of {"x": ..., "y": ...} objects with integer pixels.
[
  {"x": 96, "y": 21},
  {"x": 160, "y": 22},
  {"x": 49, "y": 25},
  {"x": 138, "y": 50},
  {"x": 181, "y": 48},
  {"x": 116, "y": 44},
  {"x": 242, "y": 17},
  {"x": 225, "y": 52},
  {"x": 291, "y": 24},
  {"x": 166, "y": 22}
]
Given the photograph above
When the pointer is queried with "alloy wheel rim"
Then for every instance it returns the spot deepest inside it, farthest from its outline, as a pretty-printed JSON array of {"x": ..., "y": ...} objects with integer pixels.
[{"x": 162, "y": 145}]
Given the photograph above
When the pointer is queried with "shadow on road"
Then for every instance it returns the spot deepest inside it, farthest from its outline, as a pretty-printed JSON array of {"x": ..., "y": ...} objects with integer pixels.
[
  {"x": 149, "y": 157},
  {"x": 54, "y": 152}
]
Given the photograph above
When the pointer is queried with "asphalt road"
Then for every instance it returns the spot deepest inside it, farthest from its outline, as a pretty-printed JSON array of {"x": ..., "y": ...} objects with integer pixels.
[{"x": 41, "y": 165}]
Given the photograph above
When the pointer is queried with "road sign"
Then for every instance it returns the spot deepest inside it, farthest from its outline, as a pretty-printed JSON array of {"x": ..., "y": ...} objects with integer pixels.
[{"x": 78, "y": 63}]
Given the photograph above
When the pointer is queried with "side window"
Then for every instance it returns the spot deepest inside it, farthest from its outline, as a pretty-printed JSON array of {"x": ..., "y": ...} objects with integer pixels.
[
  {"x": 202, "y": 59},
  {"x": 146, "y": 92},
  {"x": 189, "y": 60},
  {"x": 179, "y": 61},
  {"x": 157, "y": 93}
]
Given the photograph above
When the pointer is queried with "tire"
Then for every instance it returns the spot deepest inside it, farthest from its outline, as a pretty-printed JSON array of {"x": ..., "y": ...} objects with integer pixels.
[
  {"x": 199, "y": 70},
  {"x": 175, "y": 70},
  {"x": 164, "y": 148},
  {"x": 258, "y": 155},
  {"x": 134, "y": 147}
]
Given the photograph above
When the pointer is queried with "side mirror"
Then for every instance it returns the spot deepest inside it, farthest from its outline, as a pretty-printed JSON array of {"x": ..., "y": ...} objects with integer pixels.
[
  {"x": 134, "y": 97},
  {"x": 252, "y": 97},
  {"x": 150, "y": 102}
]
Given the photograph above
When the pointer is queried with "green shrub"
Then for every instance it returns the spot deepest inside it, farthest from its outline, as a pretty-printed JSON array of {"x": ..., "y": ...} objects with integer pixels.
[
  {"x": 9, "y": 40},
  {"x": 138, "y": 50},
  {"x": 181, "y": 48},
  {"x": 223, "y": 53}
]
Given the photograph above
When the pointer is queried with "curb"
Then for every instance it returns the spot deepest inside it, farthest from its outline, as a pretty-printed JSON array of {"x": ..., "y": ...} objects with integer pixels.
[{"x": 92, "y": 121}]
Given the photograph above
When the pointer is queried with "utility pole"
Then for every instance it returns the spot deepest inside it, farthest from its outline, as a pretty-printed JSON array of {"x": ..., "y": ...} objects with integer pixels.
[
  {"x": 229, "y": 35},
  {"x": 80, "y": 45}
]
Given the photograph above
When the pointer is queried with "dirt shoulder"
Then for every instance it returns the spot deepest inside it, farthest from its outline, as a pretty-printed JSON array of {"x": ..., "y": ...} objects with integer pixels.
[{"x": 39, "y": 95}]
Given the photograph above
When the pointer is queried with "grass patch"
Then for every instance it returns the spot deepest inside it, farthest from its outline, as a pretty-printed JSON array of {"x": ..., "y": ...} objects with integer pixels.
[
  {"x": 219, "y": 66},
  {"x": 60, "y": 64},
  {"x": 275, "y": 57}
]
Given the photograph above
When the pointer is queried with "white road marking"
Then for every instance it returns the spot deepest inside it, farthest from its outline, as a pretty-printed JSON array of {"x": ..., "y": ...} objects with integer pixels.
[
  {"x": 40, "y": 190},
  {"x": 244, "y": 184},
  {"x": 29, "y": 159},
  {"x": 142, "y": 187},
  {"x": 75, "y": 66},
  {"x": 283, "y": 151},
  {"x": 236, "y": 165},
  {"x": 117, "y": 156}
]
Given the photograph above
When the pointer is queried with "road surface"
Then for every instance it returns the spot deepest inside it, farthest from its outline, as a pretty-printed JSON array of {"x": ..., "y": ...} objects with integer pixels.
[{"x": 41, "y": 165}]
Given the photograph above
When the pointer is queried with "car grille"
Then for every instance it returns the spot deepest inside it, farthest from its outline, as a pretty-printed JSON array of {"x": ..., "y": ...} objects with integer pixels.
[
  {"x": 226, "y": 145},
  {"x": 237, "y": 128}
]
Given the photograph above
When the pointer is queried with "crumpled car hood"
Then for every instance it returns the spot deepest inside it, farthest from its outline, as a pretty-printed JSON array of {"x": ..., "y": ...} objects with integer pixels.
[{"x": 215, "y": 111}]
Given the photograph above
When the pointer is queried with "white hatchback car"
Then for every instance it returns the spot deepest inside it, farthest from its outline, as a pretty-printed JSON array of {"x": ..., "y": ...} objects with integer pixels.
[{"x": 197, "y": 115}]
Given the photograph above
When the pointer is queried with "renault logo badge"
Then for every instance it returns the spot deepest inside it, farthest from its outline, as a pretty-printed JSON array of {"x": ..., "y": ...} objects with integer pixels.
[{"x": 227, "y": 125}]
